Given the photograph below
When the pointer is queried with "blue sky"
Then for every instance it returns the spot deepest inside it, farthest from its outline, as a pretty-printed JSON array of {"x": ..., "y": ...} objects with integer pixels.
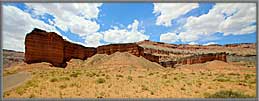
[{"x": 114, "y": 22}]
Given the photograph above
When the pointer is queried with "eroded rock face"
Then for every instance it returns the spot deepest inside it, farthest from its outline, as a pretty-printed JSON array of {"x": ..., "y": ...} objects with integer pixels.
[
  {"x": 168, "y": 64},
  {"x": 77, "y": 51},
  {"x": 203, "y": 58},
  {"x": 41, "y": 46},
  {"x": 128, "y": 47},
  {"x": 151, "y": 57}
]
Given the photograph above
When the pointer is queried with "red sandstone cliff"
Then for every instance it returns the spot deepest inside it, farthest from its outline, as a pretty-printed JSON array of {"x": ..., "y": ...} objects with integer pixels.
[
  {"x": 77, "y": 51},
  {"x": 128, "y": 47},
  {"x": 42, "y": 46}
]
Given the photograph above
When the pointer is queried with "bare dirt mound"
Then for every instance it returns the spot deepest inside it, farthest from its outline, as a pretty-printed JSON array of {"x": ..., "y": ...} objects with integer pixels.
[{"x": 120, "y": 60}]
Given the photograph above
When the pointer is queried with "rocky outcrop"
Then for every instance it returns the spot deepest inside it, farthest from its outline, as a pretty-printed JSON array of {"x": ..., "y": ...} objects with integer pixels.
[
  {"x": 151, "y": 57},
  {"x": 203, "y": 58},
  {"x": 77, "y": 51},
  {"x": 196, "y": 59},
  {"x": 156, "y": 51},
  {"x": 42, "y": 46},
  {"x": 128, "y": 47},
  {"x": 168, "y": 63}
]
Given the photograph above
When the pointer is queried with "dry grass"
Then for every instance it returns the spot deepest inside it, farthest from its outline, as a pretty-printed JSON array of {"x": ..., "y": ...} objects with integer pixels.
[
  {"x": 122, "y": 75},
  {"x": 189, "y": 81}
]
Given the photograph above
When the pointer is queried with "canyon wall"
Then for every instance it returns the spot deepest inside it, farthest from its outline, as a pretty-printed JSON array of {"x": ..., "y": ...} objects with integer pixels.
[
  {"x": 42, "y": 46},
  {"x": 196, "y": 59},
  {"x": 128, "y": 47},
  {"x": 203, "y": 58},
  {"x": 151, "y": 57},
  {"x": 77, "y": 51}
]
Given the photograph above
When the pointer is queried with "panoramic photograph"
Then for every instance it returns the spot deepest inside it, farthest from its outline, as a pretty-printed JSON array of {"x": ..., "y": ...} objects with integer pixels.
[{"x": 129, "y": 50}]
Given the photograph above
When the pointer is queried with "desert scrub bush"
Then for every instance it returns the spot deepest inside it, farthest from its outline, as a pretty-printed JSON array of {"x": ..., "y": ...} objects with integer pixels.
[
  {"x": 143, "y": 87},
  {"x": 100, "y": 95},
  {"x": 90, "y": 74},
  {"x": 107, "y": 77},
  {"x": 183, "y": 88},
  {"x": 64, "y": 78},
  {"x": 20, "y": 90},
  {"x": 100, "y": 80},
  {"x": 129, "y": 78},
  {"x": 31, "y": 83},
  {"x": 32, "y": 95},
  {"x": 63, "y": 86},
  {"x": 6, "y": 94},
  {"x": 234, "y": 74},
  {"x": 248, "y": 76},
  {"x": 140, "y": 76},
  {"x": 228, "y": 94},
  {"x": 118, "y": 75},
  {"x": 10, "y": 72},
  {"x": 164, "y": 76},
  {"x": 75, "y": 85},
  {"x": 53, "y": 80},
  {"x": 152, "y": 93},
  {"x": 74, "y": 74},
  {"x": 151, "y": 74},
  {"x": 222, "y": 79}
]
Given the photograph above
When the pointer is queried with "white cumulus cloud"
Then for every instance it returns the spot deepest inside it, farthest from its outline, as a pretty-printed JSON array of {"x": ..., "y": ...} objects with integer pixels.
[
  {"x": 93, "y": 40},
  {"x": 229, "y": 19},
  {"x": 132, "y": 34},
  {"x": 16, "y": 24},
  {"x": 168, "y": 11},
  {"x": 169, "y": 37},
  {"x": 193, "y": 43},
  {"x": 210, "y": 43},
  {"x": 74, "y": 16}
]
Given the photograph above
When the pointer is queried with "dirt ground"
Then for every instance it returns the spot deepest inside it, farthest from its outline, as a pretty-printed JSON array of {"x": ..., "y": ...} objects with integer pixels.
[{"x": 124, "y": 79}]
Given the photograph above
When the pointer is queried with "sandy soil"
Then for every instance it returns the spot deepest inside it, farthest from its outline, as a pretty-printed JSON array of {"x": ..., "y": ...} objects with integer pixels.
[{"x": 123, "y": 75}]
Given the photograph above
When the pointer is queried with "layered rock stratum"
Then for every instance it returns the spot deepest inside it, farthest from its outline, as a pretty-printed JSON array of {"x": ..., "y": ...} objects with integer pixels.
[{"x": 42, "y": 46}]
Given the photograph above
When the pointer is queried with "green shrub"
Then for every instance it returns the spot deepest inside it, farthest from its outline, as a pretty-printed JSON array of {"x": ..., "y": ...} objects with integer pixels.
[
  {"x": 31, "y": 83},
  {"x": 64, "y": 78},
  {"x": 164, "y": 76},
  {"x": 32, "y": 96},
  {"x": 53, "y": 80},
  {"x": 129, "y": 78},
  {"x": 74, "y": 75},
  {"x": 222, "y": 79},
  {"x": 107, "y": 76},
  {"x": 152, "y": 93},
  {"x": 20, "y": 91},
  {"x": 100, "y": 80},
  {"x": 119, "y": 75},
  {"x": 151, "y": 74},
  {"x": 63, "y": 86},
  {"x": 228, "y": 94},
  {"x": 144, "y": 87},
  {"x": 183, "y": 88},
  {"x": 91, "y": 74}
]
